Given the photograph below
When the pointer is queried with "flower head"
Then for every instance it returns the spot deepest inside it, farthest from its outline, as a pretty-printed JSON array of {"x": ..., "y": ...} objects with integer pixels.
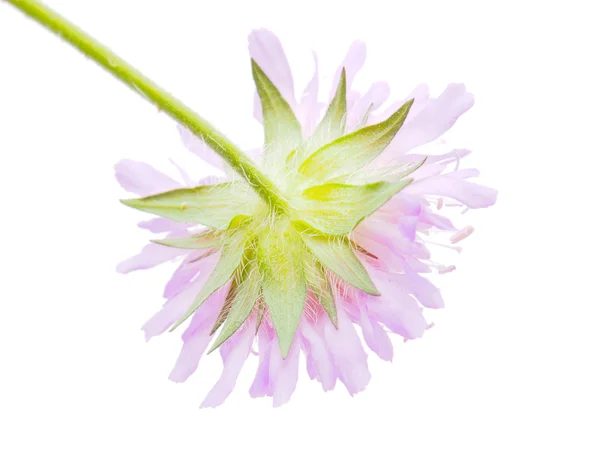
[{"x": 338, "y": 242}]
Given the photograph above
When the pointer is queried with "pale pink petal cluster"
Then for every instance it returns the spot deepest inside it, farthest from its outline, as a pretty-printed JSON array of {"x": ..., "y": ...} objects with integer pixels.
[{"x": 395, "y": 239}]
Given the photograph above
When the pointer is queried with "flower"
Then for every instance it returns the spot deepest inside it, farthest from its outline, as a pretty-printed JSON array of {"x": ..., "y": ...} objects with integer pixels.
[{"x": 345, "y": 249}]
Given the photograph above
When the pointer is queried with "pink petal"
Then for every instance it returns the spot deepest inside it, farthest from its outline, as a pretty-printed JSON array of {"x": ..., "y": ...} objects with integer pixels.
[
  {"x": 187, "y": 181},
  {"x": 171, "y": 311},
  {"x": 197, "y": 336},
  {"x": 266, "y": 49},
  {"x": 184, "y": 274},
  {"x": 470, "y": 194},
  {"x": 427, "y": 170},
  {"x": 161, "y": 225},
  {"x": 424, "y": 290},
  {"x": 309, "y": 108},
  {"x": 189, "y": 357},
  {"x": 241, "y": 343},
  {"x": 207, "y": 311},
  {"x": 433, "y": 120},
  {"x": 463, "y": 174},
  {"x": 403, "y": 316},
  {"x": 284, "y": 373},
  {"x": 420, "y": 94},
  {"x": 401, "y": 203},
  {"x": 317, "y": 353},
  {"x": 311, "y": 368},
  {"x": 349, "y": 357},
  {"x": 386, "y": 260},
  {"x": 261, "y": 384},
  {"x": 373, "y": 99},
  {"x": 377, "y": 94},
  {"x": 375, "y": 336},
  {"x": 408, "y": 226},
  {"x": 353, "y": 62},
  {"x": 143, "y": 179},
  {"x": 176, "y": 306},
  {"x": 351, "y": 98},
  {"x": 197, "y": 146},
  {"x": 389, "y": 235},
  {"x": 395, "y": 308},
  {"x": 447, "y": 158},
  {"x": 440, "y": 222},
  {"x": 415, "y": 264},
  {"x": 151, "y": 256}
]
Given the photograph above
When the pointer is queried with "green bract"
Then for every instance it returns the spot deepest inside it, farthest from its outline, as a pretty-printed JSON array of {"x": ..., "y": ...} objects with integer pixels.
[
  {"x": 353, "y": 151},
  {"x": 275, "y": 255}
]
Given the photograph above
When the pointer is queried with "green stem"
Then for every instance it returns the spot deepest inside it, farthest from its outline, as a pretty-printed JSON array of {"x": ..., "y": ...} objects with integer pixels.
[{"x": 155, "y": 94}]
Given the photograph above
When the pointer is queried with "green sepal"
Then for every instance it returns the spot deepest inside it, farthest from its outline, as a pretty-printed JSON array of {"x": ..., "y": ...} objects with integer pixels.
[
  {"x": 365, "y": 118},
  {"x": 207, "y": 239},
  {"x": 362, "y": 250},
  {"x": 337, "y": 208},
  {"x": 225, "y": 308},
  {"x": 211, "y": 205},
  {"x": 246, "y": 291},
  {"x": 391, "y": 173},
  {"x": 283, "y": 132},
  {"x": 319, "y": 285},
  {"x": 332, "y": 125},
  {"x": 280, "y": 260},
  {"x": 352, "y": 152},
  {"x": 229, "y": 260},
  {"x": 260, "y": 313},
  {"x": 335, "y": 253},
  {"x": 206, "y": 254}
]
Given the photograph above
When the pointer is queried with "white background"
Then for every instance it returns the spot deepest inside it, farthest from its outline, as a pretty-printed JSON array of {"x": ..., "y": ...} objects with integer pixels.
[{"x": 512, "y": 362}]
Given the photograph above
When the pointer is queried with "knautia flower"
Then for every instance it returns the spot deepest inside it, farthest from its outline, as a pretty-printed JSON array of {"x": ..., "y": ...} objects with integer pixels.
[{"x": 340, "y": 245}]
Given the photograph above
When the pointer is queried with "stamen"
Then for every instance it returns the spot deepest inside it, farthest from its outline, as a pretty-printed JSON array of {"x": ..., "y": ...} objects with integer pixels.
[
  {"x": 446, "y": 269},
  {"x": 456, "y": 249},
  {"x": 461, "y": 234},
  {"x": 441, "y": 268}
]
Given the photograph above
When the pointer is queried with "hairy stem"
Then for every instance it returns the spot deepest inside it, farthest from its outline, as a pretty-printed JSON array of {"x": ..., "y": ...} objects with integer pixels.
[{"x": 155, "y": 94}]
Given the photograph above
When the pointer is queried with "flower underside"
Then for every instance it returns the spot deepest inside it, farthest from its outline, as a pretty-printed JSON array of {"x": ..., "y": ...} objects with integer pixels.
[
  {"x": 330, "y": 235},
  {"x": 275, "y": 255}
]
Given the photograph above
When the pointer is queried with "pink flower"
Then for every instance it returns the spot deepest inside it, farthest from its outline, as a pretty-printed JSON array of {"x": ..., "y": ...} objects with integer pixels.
[{"x": 390, "y": 243}]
